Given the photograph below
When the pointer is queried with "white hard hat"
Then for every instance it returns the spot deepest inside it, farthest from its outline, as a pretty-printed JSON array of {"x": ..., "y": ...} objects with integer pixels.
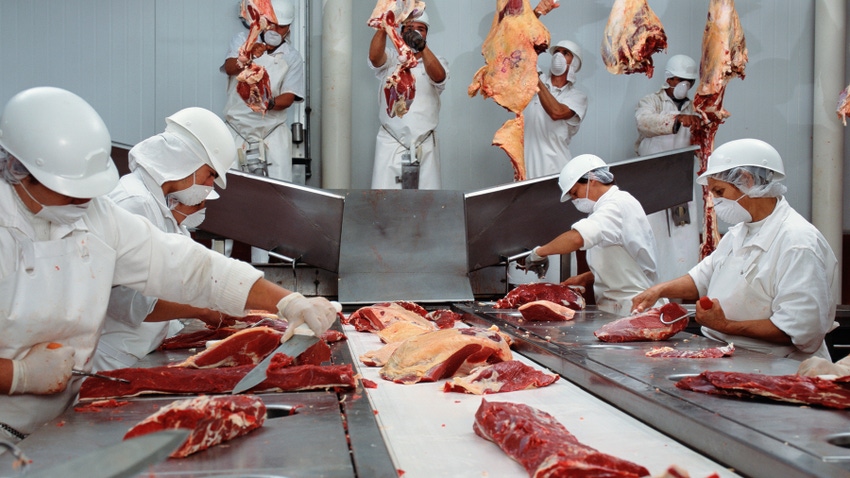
[
  {"x": 284, "y": 10},
  {"x": 211, "y": 132},
  {"x": 575, "y": 169},
  {"x": 682, "y": 66},
  {"x": 61, "y": 140},
  {"x": 421, "y": 18},
  {"x": 743, "y": 152},
  {"x": 572, "y": 47}
]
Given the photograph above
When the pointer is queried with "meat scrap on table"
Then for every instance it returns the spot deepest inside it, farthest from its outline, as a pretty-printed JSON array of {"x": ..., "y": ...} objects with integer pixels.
[
  {"x": 644, "y": 326},
  {"x": 713, "y": 352},
  {"x": 509, "y": 74},
  {"x": 783, "y": 388},
  {"x": 507, "y": 376},
  {"x": 632, "y": 35},
  {"x": 546, "y": 311}
]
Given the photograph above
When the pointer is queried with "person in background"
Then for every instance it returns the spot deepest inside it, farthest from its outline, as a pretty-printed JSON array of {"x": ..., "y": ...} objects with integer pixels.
[
  {"x": 616, "y": 235},
  {"x": 773, "y": 279},
  {"x": 63, "y": 246},
  {"x": 410, "y": 139},
  {"x": 172, "y": 176},
  {"x": 664, "y": 121},
  {"x": 264, "y": 140}
]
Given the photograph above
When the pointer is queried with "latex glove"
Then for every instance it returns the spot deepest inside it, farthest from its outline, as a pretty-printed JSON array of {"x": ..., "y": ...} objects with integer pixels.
[
  {"x": 819, "y": 366},
  {"x": 46, "y": 369},
  {"x": 414, "y": 39},
  {"x": 317, "y": 312},
  {"x": 535, "y": 263}
]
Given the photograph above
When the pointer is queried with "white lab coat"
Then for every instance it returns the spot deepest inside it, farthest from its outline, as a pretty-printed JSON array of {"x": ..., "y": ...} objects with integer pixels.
[
  {"x": 547, "y": 142},
  {"x": 126, "y": 339},
  {"x": 781, "y": 269},
  {"x": 416, "y": 130},
  {"x": 620, "y": 250},
  {"x": 55, "y": 284},
  {"x": 285, "y": 67}
]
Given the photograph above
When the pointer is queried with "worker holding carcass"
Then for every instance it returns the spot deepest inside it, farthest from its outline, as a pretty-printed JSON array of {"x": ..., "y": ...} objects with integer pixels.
[
  {"x": 172, "y": 176},
  {"x": 664, "y": 121},
  {"x": 63, "y": 246},
  {"x": 616, "y": 235},
  {"x": 773, "y": 278},
  {"x": 407, "y": 154},
  {"x": 263, "y": 139}
]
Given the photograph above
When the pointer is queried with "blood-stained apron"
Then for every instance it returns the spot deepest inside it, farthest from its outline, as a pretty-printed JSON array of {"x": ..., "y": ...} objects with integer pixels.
[
  {"x": 58, "y": 294},
  {"x": 730, "y": 285}
]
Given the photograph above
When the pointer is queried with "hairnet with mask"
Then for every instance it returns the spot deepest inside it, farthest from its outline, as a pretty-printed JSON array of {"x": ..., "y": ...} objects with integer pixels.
[
  {"x": 603, "y": 175},
  {"x": 13, "y": 171},
  {"x": 167, "y": 157},
  {"x": 763, "y": 183}
]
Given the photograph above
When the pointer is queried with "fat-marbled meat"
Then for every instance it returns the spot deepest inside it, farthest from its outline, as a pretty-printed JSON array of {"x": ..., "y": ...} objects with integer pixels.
[
  {"x": 712, "y": 352},
  {"x": 557, "y": 293},
  {"x": 543, "y": 446},
  {"x": 508, "y": 376},
  {"x": 633, "y": 34},
  {"x": 443, "y": 353},
  {"x": 783, "y": 388},
  {"x": 248, "y": 346},
  {"x": 375, "y": 317},
  {"x": 645, "y": 326},
  {"x": 212, "y": 420}
]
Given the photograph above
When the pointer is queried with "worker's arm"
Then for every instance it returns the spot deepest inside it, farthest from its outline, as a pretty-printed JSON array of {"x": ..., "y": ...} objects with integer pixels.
[
  {"x": 377, "y": 49},
  {"x": 555, "y": 110}
]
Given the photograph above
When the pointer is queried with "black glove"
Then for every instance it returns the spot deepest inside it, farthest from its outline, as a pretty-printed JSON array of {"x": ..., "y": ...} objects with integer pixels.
[
  {"x": 535, "y": 263},
  {"x": 414, "y": 39}
]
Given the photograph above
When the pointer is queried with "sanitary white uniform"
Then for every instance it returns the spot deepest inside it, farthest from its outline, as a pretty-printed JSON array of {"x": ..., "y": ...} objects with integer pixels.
[
  {"x": 547, "y": 142},
  {"x": 415, "y": 131},
  {"x": 620, "y": 250},
  {"x": 55, "y": 283},
  {"x": 780, "y": 268},
  {"x": 285, "y": 67}
]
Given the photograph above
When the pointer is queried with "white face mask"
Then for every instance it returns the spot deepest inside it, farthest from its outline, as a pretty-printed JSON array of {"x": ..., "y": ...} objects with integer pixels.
[
  {"x": 191, "y": 196},
  {"x": 584, "y": 204},
  {"x": 67, "y": 214},
  {"x": 195, "y": 219},
  {"x": 559, "y": 64},
  {"x": 680, "y": 91},
  {"x": 730, "y": 211},
  {"x": 272, "y": 38}
]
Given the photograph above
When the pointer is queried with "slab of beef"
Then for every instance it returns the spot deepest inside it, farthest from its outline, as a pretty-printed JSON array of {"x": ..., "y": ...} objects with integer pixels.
[
  {"x": 248, "y": 346},
  {"x": 545, "y": 311},
  {"x": 713, "y": 352},
  {"x": 557, "y": 293},
  {"x": 212, "y": 420},
  {"x": 632, "y": 35},
  {"x": 282, "y": 377},
  {"x": 380, "y": 357},
  {"x": 843, "y": 108},
  {"x": 507, "y": 376},
  {"x": 783, "y": 388},
  {"x": 645, "y": 326},
  {"x": 375, "y": 317},
  {"x": 199, "y": 339},
  {"x": 543, "y": 446},
  {"x": 253, "y": 82},
  {"x": 444, "y": 353}
]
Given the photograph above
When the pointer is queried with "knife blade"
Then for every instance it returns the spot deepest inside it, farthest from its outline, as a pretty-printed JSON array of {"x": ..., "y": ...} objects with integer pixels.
[
  {"x": 122, "y": 460},
  {"x": 97, "y": 375},
  {"x": 292, "y": 347}
]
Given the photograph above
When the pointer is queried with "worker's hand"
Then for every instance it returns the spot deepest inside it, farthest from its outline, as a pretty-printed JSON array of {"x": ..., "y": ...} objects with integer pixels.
[
  {"x": 814, "y": 366},
  {"x": 645, "y": 300},
  {"x": 688, "y": 121},
  {"x": 216, "y": 320},
  {"x": 545, "y": 6},
  {"x": 413, "y": 39},
  {"x": 535, "y": 263},
  {"x": 317, "y": 312},
  {"x": 44, "y": 370}
]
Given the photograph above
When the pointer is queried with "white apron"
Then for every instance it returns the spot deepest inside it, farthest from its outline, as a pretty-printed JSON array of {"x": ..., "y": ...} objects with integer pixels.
[
  {"x": 40, "y": 303},
  {"x": 740, "y": 301},
  {"x": 617, "y": 278}
]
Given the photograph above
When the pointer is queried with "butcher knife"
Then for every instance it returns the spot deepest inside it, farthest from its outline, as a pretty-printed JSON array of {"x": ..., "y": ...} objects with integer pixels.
[
  {"x": 292, "y": 347},
  {"x": 125, "y": 459}
]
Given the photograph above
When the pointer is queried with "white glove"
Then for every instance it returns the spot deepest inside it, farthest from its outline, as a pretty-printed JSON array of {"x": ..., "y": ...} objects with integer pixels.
[
  {"x": 814, "y": 366},
  {"x": 317, "y": 312},
  {"x": 43, "y": 371}
]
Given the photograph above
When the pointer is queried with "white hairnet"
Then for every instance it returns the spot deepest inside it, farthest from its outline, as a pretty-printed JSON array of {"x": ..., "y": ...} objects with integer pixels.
[
  {"x": 603, "y": 175},
  {"x": 167, "y": 157},
  {"x": 764, "y": 186},
  {"x": 11, "y": 170}
]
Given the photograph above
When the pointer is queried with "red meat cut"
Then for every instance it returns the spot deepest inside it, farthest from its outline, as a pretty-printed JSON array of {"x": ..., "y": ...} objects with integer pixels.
[
  {"x": 645, "y": 326},
  {"x": 557, "y": 293},
  {"x": 248, "y": 346},
  {"x": 508, "y": 376},
  {"x": 199, "y": 339},
  {"x": 375, "y": 317},
  {"x": 632, "y": 35},
  {"x": 545, "y": 311},
  {"x": 783, "y": 388},
  {"x": 713, "y": 352},
  {"x": 212, "y": 420},
  {"x": 543, "y": 446}
]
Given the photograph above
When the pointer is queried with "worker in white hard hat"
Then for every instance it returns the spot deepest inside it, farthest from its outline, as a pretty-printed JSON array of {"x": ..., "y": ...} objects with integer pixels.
[
  {"x": 407, "y": 154},
  {"x": 665, "y": 118},
  {"x": 172, "y": 177},
  {"x": 63, "y": 246},
  {"x": 263, "y": 139},
  {"x": 773, "y": 278},
  {"x": 616, "y": 235}
]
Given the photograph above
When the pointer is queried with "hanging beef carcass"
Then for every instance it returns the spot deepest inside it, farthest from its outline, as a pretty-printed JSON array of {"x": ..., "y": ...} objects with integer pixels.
[
  {"x": 724, "y": 56},
  {"x": 843, "y": 108},
  {"x": 633, "y": 34},
  {"x": 254, "y": 85},
  {"x": 400, "y": 87},
  {"x": 509, "y": 75}
]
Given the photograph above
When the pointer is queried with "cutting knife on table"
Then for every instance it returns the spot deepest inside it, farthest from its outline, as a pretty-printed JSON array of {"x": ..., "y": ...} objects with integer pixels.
[{"x": 125, "y": 459}]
